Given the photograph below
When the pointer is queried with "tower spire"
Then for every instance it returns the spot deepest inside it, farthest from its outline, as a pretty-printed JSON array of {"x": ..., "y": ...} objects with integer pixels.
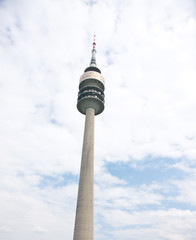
[{"x": 93, "y": 57}]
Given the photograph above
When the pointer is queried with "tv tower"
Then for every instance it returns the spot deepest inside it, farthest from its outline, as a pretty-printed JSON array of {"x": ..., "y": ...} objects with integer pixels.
[{"x": 90, "y": 103}]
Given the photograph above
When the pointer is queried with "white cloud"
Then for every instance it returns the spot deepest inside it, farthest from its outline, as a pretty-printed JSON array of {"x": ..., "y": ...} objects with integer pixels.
[
  {"x": 5, "y": 229},
  {"x": 172, "y": 224},
  {"x": 146, "y": 51},
  {"x": 39, "y": 229}
]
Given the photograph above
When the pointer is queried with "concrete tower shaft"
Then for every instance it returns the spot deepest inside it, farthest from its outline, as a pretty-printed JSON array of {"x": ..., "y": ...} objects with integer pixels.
[
  {"x": 90, "y": 102},
  {"x": 84, "y": 221}
]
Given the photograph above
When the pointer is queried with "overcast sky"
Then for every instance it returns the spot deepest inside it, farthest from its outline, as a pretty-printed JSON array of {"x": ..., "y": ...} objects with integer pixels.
[{"x": 145, "y": 140}]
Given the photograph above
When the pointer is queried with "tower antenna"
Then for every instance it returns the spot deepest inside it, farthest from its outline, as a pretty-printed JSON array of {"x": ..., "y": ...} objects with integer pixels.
[
  {"x": 93, "y": 57},
  {"x": 94, "y": 42}
]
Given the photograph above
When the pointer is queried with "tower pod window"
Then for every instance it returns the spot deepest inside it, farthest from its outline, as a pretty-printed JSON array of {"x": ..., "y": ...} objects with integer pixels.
[
  {"x": 90, "y": 94},
  {"x": 91, "y": 88}
]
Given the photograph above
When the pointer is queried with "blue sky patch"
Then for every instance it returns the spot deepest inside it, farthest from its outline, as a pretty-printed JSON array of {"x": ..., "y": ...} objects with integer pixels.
[{"x": 150, "y": 171}]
